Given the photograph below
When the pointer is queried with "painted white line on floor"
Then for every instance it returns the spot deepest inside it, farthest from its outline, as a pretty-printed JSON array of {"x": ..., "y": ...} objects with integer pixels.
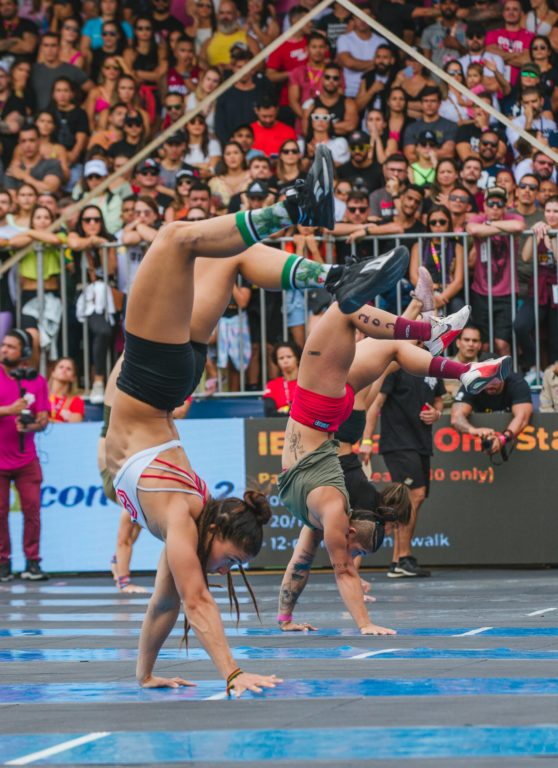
[
  {"x": 217, "y": 696},
  {"x": 542, "y": 610},
  {"x": 64, "y": 747},
  {"x": 478, "y": 631},
  {"x": 369, "y": 654}
]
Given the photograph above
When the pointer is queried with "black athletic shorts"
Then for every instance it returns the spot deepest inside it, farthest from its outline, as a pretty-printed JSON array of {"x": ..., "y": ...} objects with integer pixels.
[
  {"x": 501, "y": 314},
  {"x": 409, "y": 467},
  {"x": 362, "y": 493}
]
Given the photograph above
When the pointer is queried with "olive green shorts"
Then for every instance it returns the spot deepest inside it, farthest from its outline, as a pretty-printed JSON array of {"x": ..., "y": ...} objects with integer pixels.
[
  {"x": 108, "y": 487},
  {"x": 315, "y": 470}
]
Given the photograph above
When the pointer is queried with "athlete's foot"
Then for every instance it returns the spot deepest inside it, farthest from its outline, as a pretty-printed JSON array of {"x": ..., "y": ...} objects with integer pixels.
[
  {"x": 134, "y": 589},
  {"x": 310, "y": 201},
  {"x": 424, "y": 291},
  {"x": 360, "y": 282},
  {"x": 480, "y": 375},
  {"x": 445, "y": 330}
]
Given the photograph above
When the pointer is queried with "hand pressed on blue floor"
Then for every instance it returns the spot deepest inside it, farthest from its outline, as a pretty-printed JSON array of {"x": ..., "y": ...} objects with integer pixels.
[
  {"x": 164, "y": 682},
  {"x": 375, "y": 629},
  {"x": 293, "y": 626},
  {"x": 246, "y": 681}
]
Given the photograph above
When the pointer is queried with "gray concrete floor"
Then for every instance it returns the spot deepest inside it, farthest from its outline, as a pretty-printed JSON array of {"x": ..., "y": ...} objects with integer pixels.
[{"x": 461, "y": 600}]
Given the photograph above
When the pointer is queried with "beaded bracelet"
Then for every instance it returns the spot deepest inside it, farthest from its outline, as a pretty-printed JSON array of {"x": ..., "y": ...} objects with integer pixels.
[
  {"x": 231, "y": 678},
  {"x": 123, "y": 581}
]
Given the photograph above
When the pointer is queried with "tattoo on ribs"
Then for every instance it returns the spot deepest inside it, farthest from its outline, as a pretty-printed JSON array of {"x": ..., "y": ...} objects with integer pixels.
[{"x": 295, "y": 444}]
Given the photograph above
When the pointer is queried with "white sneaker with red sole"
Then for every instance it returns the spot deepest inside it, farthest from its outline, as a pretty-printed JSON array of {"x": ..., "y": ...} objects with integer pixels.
[
  {"x": 445, "y": 330},
  {"x": 480, "y": 375}
]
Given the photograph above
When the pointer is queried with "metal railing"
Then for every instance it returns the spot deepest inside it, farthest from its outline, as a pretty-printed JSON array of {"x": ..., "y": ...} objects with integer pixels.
[{"x": 329, "y": 245}]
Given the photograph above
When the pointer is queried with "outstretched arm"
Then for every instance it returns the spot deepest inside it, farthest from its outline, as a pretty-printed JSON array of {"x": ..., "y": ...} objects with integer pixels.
[
  {"x": 160, "y": 618},
  {"x": 296, "y": 578}
]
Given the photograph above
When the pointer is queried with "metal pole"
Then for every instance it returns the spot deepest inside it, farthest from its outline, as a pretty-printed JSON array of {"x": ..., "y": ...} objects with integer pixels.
[
  {"x": 41, "y": 301},
  {"x": 399, "y": 294},
  {"x": 536, "y": 309},
  {"x": 86, "y": 360},
  {"x": 488, "y": 243},
  {"x": 513, "y": 300},
  {"x": 443, "y": 267},
  {"x": 466, "y": 269},
  {"x": 241, "y": 342},
  {"x": 64, "y": 300},
  {"x": 263, "y": 336}
]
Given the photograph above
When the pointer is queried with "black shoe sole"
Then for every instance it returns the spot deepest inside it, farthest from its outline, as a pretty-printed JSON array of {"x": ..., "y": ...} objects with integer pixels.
[
  {"x": 322, "y": 171},
  {"x": 359, "y": 287}
]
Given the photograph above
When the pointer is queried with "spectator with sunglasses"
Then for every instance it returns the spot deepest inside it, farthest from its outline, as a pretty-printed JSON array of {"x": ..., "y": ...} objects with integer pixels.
[
  {"x": 101, "y": 96},
  {"x": 70, "y": 33},
  {"x": 491, "y": 232},
  {"x": 526, "y": 205},
  {"x": 173, "y": 108},
  {"x": 475, "y": 35},
  {"x": 331, "y": 95},
  {"x": 114, "y": 44},
  {"x": 360, "y": 165},
  {"x": 459, "y": 206},
  {"x": 134, "y": 136},
  {"x": 376, "y": 83},
  {"x": 541, "y": 54},
  {"x": 147, "y": 182},
  {"x": 171, "y": 154},
  {"x": 289, "y": 163},
  {"x": 305, "y": 81},
  {"x": 180, "y": 205},
  {"x": 443, "y": 258},
  {"x": 469, "y": 135},
  {"x": 95, "y": 171},
  {"x": 320, "y": 131},
  {"x": 489, "y": 144}
]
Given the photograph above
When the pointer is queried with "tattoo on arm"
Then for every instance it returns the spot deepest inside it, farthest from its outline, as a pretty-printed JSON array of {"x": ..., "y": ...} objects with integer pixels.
[
  {"x": 314, "y": 353},
  {"x": 460, "y": 420},
  {"x": 294, "y": 581}
]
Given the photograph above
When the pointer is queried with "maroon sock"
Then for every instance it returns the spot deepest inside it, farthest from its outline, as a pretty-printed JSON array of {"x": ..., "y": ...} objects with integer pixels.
[
  {"x": 444, "y": 368},
  {"x": 412, "y": 329}
]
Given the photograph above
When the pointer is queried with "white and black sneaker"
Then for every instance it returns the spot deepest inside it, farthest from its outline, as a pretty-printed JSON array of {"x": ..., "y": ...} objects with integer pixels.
[
  {"x": 408, "y": 566},
  {"x": 6, "y": 571},
  {"x": 480, "y": 375},
  {"x": 445, "y": 330},
  {"x": 33, "y": 572},
  {"x": 310, "y": 201},
  {"x": 361, "y": 281}
]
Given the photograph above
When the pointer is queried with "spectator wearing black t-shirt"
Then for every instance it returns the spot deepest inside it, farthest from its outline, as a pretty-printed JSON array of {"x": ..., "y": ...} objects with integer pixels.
[
  {"x": 334, "y": 24},
  {"x": 375, "y": 84},
  {"x": 510, "y": 396},
  {"x": 361, "y": 166},
  {"x": 409, "y": 405},
  {"x": 72, "y": 126},
  {"x": 18, "y": 36}
]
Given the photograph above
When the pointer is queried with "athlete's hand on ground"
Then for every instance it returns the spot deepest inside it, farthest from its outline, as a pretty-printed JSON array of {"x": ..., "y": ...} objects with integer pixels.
[
  {"x": 366, "y": 587},
  {"x": 164, "y": 682},
  {"x": 375, "y": 629},
  {"x": 246, "y": 681},
  {"x": 293, "y": 626}
]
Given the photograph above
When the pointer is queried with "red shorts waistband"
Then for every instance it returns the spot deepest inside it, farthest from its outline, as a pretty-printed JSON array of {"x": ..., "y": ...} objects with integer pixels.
[{"x": 321, "y": 412}]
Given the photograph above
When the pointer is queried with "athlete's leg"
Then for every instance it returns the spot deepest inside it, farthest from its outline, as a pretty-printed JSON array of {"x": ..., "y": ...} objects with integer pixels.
[
  {"x": 296, "y": 577},
  {"x": 125, "y": 539}
]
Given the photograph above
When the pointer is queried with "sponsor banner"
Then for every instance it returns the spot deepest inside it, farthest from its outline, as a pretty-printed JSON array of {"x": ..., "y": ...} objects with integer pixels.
[
  {"x": 79, "y": 524},
  {"x": 476, "y": 514}
]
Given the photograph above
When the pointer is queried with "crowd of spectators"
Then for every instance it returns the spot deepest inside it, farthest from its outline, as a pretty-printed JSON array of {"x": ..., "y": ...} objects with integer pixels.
[{"x": 86, "y": 84}]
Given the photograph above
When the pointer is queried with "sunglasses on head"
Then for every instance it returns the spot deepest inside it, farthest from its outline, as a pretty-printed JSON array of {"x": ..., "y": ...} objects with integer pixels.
[
  {"x": 486, "y": 143},
  {"x": 357, "y": 208},
  {"x": 525, "y": 185},
  {"x": 495, "y": 203},
  {"x": 438, "y": 222},
  {"x": 90, "y": 219}
]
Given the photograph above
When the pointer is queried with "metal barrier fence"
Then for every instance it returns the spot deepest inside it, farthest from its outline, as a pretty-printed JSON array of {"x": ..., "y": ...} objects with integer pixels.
[{"x": 329, "y": 245}]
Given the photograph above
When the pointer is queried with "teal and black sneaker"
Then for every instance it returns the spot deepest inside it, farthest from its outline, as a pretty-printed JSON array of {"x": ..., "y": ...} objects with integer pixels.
[{"x": 310, "y": 201}]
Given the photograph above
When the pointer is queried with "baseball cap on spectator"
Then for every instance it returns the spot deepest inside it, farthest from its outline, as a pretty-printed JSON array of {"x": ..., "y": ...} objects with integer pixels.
[
  {"x": 178, "y": 137},
  {"x": 496, "y": 192},
  {"x": 149, "y": 164},
  {"x": 5, "y": 66},
  {"x": 95, "y": 168},
  {"x": 186, "y": 172},
  {"x": 133, "y": 118},
  {"x": 257, "y": 189},
  {"x": 474, "y": 29},
  {"x": 239, "y": 51},
  {"x": 358, "y": 138},
  {"x": 425, "y": 136},
  {"x": 531, "y": 68}
]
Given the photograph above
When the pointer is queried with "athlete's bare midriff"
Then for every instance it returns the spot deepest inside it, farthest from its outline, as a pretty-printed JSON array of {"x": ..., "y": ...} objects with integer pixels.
[{"x": 300, "y": 440}]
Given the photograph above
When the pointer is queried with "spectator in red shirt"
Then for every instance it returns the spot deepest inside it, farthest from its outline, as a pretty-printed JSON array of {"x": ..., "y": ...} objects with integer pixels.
[
  {"x": 511, "y": 41},
  {"x": 269, "y": 132},
  {"x": 279, "y": 392},
  {"x": 290, "y": 55},
  {"x": 65, "y": 405}
]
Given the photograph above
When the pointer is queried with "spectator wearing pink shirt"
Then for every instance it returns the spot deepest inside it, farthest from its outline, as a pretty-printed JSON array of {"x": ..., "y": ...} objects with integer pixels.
[
  {"x": 306, "y": 80},
  {"x": 511, "y": 41},
  {"x": 20, "y": 418}
]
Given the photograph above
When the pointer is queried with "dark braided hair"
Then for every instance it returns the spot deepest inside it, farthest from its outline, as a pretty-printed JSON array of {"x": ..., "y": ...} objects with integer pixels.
[{"x": 239, "y": 521}]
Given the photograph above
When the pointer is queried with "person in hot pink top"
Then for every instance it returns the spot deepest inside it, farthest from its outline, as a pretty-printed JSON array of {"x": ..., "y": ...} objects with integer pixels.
[
  {"x": 20, "y": 418},
  {"x": 511, "y": 41}
]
